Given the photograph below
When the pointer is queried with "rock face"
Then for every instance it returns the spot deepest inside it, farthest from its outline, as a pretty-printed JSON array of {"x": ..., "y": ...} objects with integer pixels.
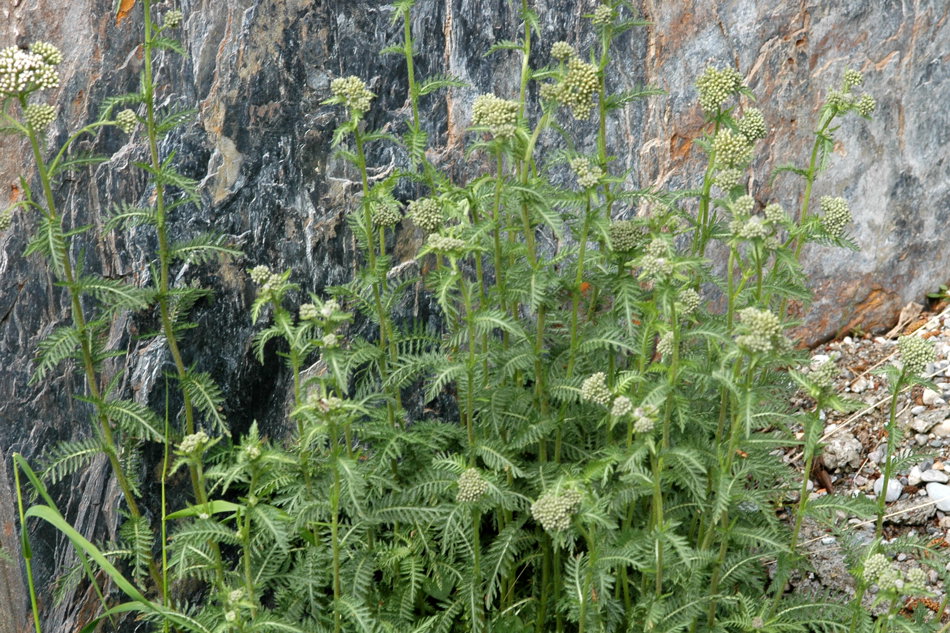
[{"x": 257, "y": 71}]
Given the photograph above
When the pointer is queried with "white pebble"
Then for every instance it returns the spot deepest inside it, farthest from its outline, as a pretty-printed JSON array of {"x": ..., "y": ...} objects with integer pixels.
[
  {"x": 894, "y": 489},
  {"x": 940, "y": 495}
]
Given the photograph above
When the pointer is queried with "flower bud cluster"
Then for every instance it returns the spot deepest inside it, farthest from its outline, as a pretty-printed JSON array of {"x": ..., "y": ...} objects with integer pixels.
[
  {"x": 727, "y": 178},
  {"x": 874, "y": 566},
  {"x": 330, "y": 340},
  {"x": 386, "y": 213},
  {"x": 865, "y": 105},
  {"x": 621, "y": 406},
  {"x": 562, "y": 51},
  {"x": 837, "y": 215},
  {"x": 594, "y": 389},
  {"x": 762, "y": 328},
  {"x": 916, "y": 353},
  {"x": 732, "y": 150},
  {"x": 752, "y": 125},
  {"x": 587, "y": 175},
  {"x": 22, "y": 72},
  {"x": 654, "y": 267},
  {"x": 172, "y": 19},
  {"x": 625, "y": 235},
  {"x": 193, "y": 444},
  {"x": 603, "y": 15},
  {"x": 743, "y": 205},
  {"x": 6, "y": 219},
  {"x": 554, "y": 511},
  {"x": 126, "y": 121},
  {"x": 471, "y": 486},
  {"x": 852, "y": 78},
  {"x": 665, "y": 345},
  {"x": 824, "y": 374},
  {"x": 689, "y": 300},
  {"x": 577, "y": 89},
  {"x": 644, "y": 419},
  {"x": 352, "y": 92},
  {"x": 308, "y": 312},
  {"x": 427, "y": 214},
  {"x": 445, "y": 244},
  {"x": 715, "y": 86},
  {"x": 38, "y": 116},
  {"x": 263, "y": 277},
  {"x": 498, "y": 115},
  {"x": 774, "y": 213}
]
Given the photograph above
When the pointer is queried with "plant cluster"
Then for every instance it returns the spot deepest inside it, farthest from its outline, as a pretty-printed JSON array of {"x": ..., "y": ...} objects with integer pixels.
[{"x": 599, "y": 449}]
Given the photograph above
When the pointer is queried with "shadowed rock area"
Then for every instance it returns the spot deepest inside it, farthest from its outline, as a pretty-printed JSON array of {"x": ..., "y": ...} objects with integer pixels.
[{"x": 257, "y": 71}]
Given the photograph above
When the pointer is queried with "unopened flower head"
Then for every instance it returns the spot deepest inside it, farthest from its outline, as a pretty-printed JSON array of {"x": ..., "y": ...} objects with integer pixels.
[
  {"x": 235, "y": 595},
  {"x": 588, "y": 175},
  {"x": 352, "y": 92},
  {"x": 471, "y": 486},
  {"x": 837, "y": 215},
  {"x": 329, "y": 308},
  {"x": 732, "y": 150},
  {"x": 22, "y": 72},
  {"x": 621, "y": 406},
  {"x": 752, "y": 124},
  {"x": 715, "y": 86},
  {"x": 644, "y": 419},
  {"x": 445, "y": 244},
  {"x": 554, "y": 511},
  {"x": 50, "y": 54},
  {"x": 172, "y": 19},
  {"x": 625, "y": 235},
  {"x": 252, "y": 452},
  {"x": 754, "y": 227},
  {"x": 126, "y": 121},
  {"x": 916, "y": 578},
  {"x": 727, "y": 178},
  {"x": 915, "y": 353},
  {"x": 427, "y": 214},
  {"x": 690, "y": 300},
  {"x": 194, "y": 443},
  {"x": 839, "y": 100},
  {"x": 852, "y": 78},
  {"x": 743, "y": 205},
  {"x": 498, "y": 115},
  {"x": 594, "y": 389},
  {"x": 330, "y": 340},
  {"x": 386, "y": 213},
  {"x": 658, "y": 247},
  {"x": 39, "y": 116},
  {"x": 665, "y": 345},
  {"x": 578, "y": 88},
  {"x": 774, "y": 213},
  {"x": 654, "y": 267},
  {"x": 230, "y": 616},
  {"x": 603, "y": 15},
  {"x": 762, "y": 329},
  {"x": 562, "y": 51},
  {"x": 824, "y": 375},
  {"x": 260, "y": 274},
  {"x": 866, "y": 105},
  {"x": 6, "y": 219},
  {"x": 308, "y": 312}
]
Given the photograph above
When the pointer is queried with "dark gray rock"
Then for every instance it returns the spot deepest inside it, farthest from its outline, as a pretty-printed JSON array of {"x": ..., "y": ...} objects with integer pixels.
[{"x": 257, "y": 71}]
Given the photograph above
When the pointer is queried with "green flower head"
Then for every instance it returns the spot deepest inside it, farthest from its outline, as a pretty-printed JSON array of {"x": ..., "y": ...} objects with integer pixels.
[
  {"x": 39, "y": 116},
  {"x": 752, "y": 125},
  {"x": 447, "y": 245},
  {"x": 690, "y": 301},
  {"x": 603, "y": 15},
  {"x": 471, "y": 486},
  {"x": 762, "y": 330},
  {"x": 578, "y": 88},
  {"x": 498, "y": 115},
  {"x": 915, "y": 353},
  {"x": 554, "y": 511},
  {"x": 562, "y": 51},
  {"x": 626, "y": 235},
  {"x": 126, "y": 121},
  {"x": 852, "y": 78},
  {"x": 621, "y": 406},
  {"x": 715, "y": 86},
  {"x": 732, "y": 150},
  {"x": 837, "y": 215},
  {"x": 172, "y": 19},
  {"x": 352, "y": 92},
  {"x": 594, "y": 389},
  {"x": 726, "y": 179},
  {"x": 386, "y": 213},
  {"x": 588, "y": 175},
  {"x": 865, "y": 105}
]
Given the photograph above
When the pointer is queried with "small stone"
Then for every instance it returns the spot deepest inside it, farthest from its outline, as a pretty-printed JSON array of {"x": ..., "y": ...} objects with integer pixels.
[
  {"x": 914, "y": 476},
  {"x": 901, "y": 557},
  {"x": 828, "y": 540},
  {"x": 942, "y": 429},
  {"x": 876, "y": 456},
  {"x": 844, "y": 450},
  {"x": 860, "y": 385},
  {"x": 894, "y": 490},
  {"x": 921, "y": 439},
  {"x": 918, "y": 409},
  {"x": 932, "y": 475},
  {"x": 938, "y": 465},
  {"x": 940, "y": 495},
  {"x": 860, "y": 480},
  {"x": 922, "y": 423},
  {"x": 932, "y": 398}
]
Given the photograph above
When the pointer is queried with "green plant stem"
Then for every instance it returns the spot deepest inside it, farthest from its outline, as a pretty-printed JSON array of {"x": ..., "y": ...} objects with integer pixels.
[
  {"x": 578, "y": 280},
  {"x": 335, "y": 522},
  {"x": 26, "y": 551},
  {"x": 889, "y": 457},
  {"x": 704, "y": 219}
]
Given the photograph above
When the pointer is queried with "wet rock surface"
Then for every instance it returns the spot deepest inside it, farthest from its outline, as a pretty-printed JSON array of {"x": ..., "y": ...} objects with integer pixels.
[{"x": 257, "y": 71}]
